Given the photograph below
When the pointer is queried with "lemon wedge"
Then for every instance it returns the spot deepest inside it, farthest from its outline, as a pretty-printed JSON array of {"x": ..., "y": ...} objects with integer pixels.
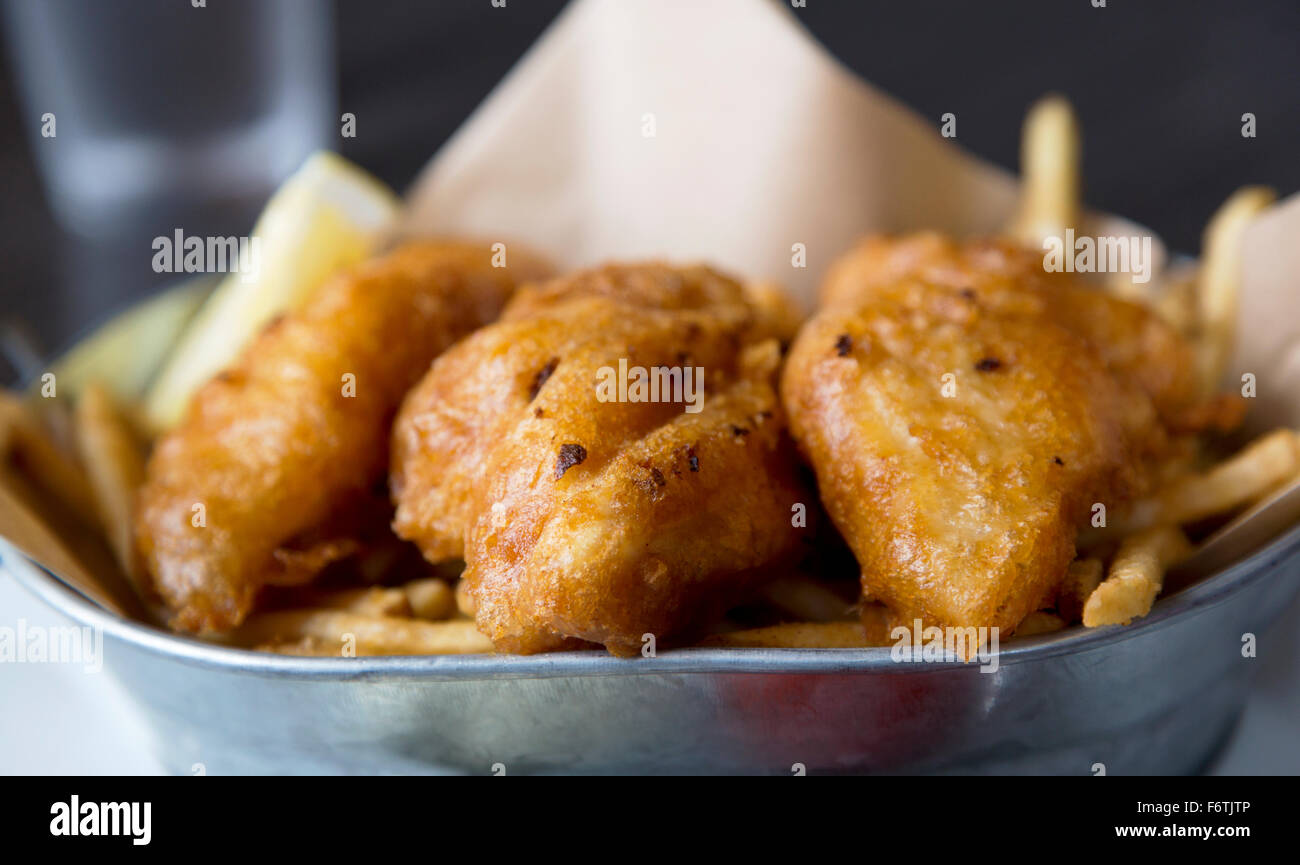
[{"x": 328, "y": 216}]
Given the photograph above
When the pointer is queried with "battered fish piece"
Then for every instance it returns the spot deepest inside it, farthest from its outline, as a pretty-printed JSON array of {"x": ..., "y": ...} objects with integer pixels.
[
  {"x": 297, "y": 432},
  {"x": 583, "y": 518},
  {"x": 963, "y": 410}
]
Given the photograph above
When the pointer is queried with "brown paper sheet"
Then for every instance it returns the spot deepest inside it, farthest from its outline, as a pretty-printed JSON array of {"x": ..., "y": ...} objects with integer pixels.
[
  {"x": 716, "y": 130},
  {"x": 1267, "y": 343},
  {"x": 713, "y": 130}
]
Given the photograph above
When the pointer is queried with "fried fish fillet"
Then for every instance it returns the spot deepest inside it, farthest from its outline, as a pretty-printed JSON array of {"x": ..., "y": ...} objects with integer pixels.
[
  {"x": 964, "y": 411},
  {"x": 582, "y": 516},
  {"x": 297, "y": 431}
]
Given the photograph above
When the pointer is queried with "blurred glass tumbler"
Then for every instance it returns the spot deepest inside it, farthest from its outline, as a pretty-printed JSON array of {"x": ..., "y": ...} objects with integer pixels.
[{"x": 163, "y": 110}]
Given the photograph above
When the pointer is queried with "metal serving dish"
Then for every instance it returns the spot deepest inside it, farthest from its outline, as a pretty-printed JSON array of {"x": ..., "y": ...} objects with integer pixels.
[{"x": 1158, "y": 696}]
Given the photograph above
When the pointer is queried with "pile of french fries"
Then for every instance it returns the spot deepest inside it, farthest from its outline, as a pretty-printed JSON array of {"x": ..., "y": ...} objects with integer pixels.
[
  {"x": 1121, "y": 569},
  {"x": 89, "y": 466},
  {"x": 91, "y": 462},
  {"x": 1201, "y": 302}
]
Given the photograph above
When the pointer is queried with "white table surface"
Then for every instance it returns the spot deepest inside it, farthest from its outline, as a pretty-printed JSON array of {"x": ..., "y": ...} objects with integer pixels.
[{"x": 61, "y": 720}]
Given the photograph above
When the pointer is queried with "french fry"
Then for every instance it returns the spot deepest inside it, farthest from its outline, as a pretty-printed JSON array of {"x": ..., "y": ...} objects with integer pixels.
[
  {"x": 1081, "y": 580},
  {"x": 808, "y": 600},
  {"x": 372, "y": 601},
  {"x": 114, "y": 465},
  {"x": 306, "y": 647},
  {"x": 369, "y": 635},
  {"x": 24, "y": 442},
  {"x": 1049, "y": 168},
  {"x": 1259, "y": 467},
  {"x": 1135, "y": 576},
  {"x": 61, "y": 548},
  {"x": 1220, "y": 277},
  {"x": 1177, "y": 298},
  {"x": 54, "y": 418},
  {"x": 1039, "y": 622},
  {"x": 431, "y": 599},
  {"x": 797, "y": 635}
]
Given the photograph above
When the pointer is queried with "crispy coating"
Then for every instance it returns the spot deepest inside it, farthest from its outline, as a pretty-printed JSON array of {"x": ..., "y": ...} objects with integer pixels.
[
  {"x": 964, "y": 410},
  {"x": 603, "y": 520},
  {"x": 297, "y": 430}
]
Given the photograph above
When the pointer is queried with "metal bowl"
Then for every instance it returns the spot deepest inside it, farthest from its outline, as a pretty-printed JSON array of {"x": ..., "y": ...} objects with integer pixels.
[{"x": 1157, "y": 696}]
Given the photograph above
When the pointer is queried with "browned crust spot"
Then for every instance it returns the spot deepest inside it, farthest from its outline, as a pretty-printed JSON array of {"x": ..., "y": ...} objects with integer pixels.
[{"x": 570, "y": 456}]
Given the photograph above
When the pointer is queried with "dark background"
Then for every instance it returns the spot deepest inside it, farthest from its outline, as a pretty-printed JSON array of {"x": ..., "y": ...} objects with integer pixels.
[{"x": 1160, "y": 87}]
